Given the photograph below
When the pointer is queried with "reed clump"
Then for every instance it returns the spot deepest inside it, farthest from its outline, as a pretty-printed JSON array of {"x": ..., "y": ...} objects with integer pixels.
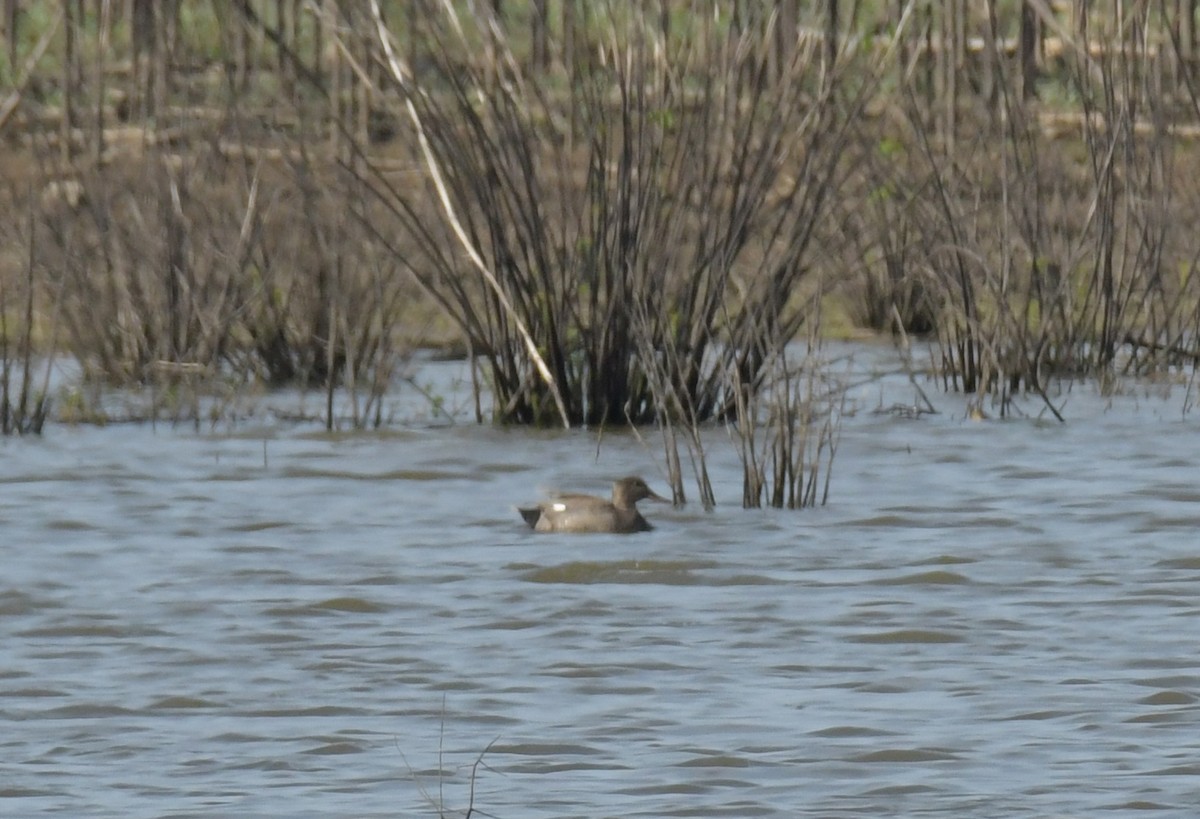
[
  {"x": 176, "y": 271},
  {"x": 1037, "y": 242},
  {"x": 628, "y": 211},
  {"x": 624, "y": 238},
  {"x": 629, "y": 224},
  {"x": 786, "y": 433},
  {"x": 24, "y": 375}
]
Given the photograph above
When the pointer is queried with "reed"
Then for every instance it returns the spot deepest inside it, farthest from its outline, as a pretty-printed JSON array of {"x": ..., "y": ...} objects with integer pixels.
[
  {"x": 1040, "y": 258},
  {"x": 785, "y": 429},
  {"x": 628, "y": 223},
  {"x": 625, "y": 208},
  {"x": 24, "y": 398},
  {"x": 187, "y": 272}
]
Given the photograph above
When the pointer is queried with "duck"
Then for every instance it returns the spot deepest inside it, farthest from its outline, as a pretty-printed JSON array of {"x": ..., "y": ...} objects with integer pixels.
[{"x": 589, "y": 513}]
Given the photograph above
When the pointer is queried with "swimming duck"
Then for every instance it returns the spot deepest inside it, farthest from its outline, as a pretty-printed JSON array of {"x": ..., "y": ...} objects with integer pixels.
[{"x": 588, "y": 513}]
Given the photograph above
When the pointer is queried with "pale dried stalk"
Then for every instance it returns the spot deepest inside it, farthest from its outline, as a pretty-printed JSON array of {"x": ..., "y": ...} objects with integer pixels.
[{"x": 401, "y": 77}]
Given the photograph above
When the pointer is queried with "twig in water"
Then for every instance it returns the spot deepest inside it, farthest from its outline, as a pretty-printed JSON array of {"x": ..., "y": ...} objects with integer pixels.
[{"x": 905, "y": 350}]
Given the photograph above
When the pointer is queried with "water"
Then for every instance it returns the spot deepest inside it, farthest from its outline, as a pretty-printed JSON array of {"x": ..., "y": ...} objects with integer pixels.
[{"x": 989, "y": 619}]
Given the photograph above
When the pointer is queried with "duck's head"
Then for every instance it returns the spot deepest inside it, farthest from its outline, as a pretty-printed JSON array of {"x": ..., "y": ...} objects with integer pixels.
[{"x": 628, "y": 491}]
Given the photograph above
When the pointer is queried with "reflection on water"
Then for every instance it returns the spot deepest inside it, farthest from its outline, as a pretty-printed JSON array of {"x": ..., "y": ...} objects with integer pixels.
[{"x": 989, "y": 619}]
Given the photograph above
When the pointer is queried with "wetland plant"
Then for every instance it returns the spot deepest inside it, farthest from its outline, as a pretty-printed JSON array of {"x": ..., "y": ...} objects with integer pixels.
[
  {"x": 625, "y": 236},
  {"x": 627, "y": 210},
  {"x": 786, "y": 434},
  {"x": 614, "y": 234},
  {"x": 207, "y": 271},
  {"x": 24, "y": 404},
  {"x": 1044, "y": 244}
]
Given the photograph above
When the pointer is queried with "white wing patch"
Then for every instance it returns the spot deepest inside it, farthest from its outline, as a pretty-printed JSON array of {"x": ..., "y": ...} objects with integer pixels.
[{"x": 558, "y": 507}]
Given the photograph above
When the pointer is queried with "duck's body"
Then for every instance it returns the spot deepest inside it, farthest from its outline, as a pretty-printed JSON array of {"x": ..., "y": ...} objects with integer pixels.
[{"x": 588, "y": 513}]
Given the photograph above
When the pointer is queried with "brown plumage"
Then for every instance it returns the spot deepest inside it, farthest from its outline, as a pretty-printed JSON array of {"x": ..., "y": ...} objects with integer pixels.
[{"x": 588, "y": 513}]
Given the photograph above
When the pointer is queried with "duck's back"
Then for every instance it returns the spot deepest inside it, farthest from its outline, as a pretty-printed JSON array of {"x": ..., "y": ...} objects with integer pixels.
[{"x": 583, "y": 513}]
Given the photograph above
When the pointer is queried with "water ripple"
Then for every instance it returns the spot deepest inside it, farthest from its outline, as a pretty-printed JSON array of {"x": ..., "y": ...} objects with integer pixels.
[{"x": 344, "y": 625}]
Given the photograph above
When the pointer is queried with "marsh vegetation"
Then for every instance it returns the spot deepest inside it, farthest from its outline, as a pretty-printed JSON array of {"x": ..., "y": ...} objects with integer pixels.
[{"x": 626, "y": 213}]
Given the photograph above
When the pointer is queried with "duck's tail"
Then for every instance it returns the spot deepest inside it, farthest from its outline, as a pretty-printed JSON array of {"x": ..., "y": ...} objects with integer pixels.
[{"x": 531, "y": 514}]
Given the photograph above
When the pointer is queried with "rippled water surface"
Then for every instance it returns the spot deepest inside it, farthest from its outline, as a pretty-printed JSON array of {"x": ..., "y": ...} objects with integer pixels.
[{"x": 989, "y": 619}]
